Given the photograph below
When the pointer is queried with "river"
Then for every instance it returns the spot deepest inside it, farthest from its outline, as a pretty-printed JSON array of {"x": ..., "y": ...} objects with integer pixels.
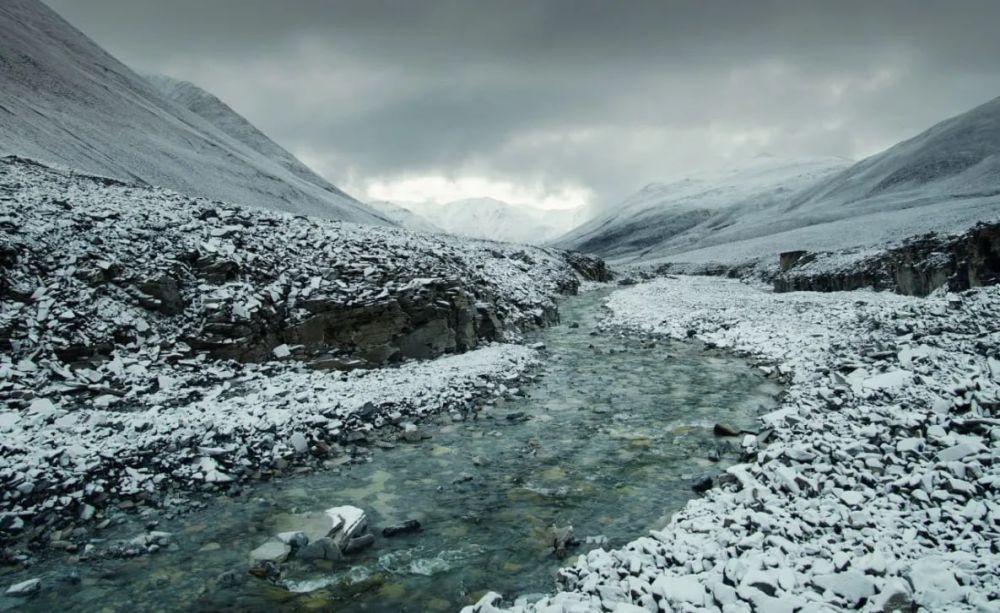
[{"x": 608, "y": 440}]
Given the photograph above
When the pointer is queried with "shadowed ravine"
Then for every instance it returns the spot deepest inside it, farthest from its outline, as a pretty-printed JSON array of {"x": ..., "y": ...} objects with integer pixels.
[{"x": 609, "y": 441}]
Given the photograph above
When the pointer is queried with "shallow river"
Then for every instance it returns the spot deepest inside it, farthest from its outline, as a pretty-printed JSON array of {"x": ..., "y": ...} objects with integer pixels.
[{"x": 618, "y": 431}]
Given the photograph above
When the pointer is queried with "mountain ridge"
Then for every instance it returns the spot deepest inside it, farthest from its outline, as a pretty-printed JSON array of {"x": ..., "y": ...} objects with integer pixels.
[{"x": 65, "y": 101}]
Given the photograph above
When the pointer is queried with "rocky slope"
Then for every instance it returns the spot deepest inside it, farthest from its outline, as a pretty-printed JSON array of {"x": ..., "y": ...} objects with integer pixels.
[
  {"x": 65, "y": 100},
  {"x": 875, "y": 485},
  {"x": 123, "y": 305},
  {"x": 917, "y": 267}
]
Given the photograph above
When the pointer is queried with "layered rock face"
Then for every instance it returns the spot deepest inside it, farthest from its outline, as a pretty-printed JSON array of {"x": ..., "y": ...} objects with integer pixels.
[
  {"x": 916, "y": 268},
  {"x": 91, "y": 265}
]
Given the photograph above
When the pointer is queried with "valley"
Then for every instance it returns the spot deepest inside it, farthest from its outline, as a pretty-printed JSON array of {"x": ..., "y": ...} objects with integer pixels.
[{"x": 422, "y": 356}]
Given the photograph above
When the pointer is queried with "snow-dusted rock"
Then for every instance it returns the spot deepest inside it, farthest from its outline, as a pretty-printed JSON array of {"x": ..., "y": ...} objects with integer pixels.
[{"x": 879, "y": 477}]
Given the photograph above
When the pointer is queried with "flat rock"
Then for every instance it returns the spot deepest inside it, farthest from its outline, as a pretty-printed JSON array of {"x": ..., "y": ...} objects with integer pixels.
[
  {"x": 24, "y": 588},
  {"x": 271, "y": 551}
]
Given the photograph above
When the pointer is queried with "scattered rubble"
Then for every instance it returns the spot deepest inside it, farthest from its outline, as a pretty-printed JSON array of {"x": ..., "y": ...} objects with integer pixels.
[
  {"x": 877, "y": 485},
  {"x": 151, "y": 342}
]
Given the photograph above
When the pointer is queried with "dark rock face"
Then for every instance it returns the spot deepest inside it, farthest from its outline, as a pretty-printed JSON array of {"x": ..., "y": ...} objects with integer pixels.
[
  {"x": 916, "y": 268},
  {"x": 789, "y": 258},
  {"x": 589, "y": 267}
]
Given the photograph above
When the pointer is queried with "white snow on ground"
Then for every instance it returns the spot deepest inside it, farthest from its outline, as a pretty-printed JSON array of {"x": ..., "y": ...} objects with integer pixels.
[
  {"x": 106, "y": 394},
  {"x": 266, "y": 414},
  {"x": 877, "y": 484}
]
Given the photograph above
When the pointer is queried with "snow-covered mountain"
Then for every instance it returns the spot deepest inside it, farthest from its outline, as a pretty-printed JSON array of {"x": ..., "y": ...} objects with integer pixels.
[
  {"x": 497, "y": 220},
  {"x": 943, "y": 180},
  {"x": 66, "y": 101},
  {"x": 404, "y": 217},
  {"x": 675, "y": 213}
]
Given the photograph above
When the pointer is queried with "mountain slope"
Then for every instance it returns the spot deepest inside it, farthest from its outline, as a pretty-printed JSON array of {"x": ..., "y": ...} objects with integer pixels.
[
  {"x": 957, "y": 158},
  {"x": 943, "y": 180},
  {"x": 681, "y": 210},
  {"x": 404, "y": 217},
  {"x": 64, "y": 100},
  {"x": 497, "y": 220},
  {"x": 220, "y": 115}
]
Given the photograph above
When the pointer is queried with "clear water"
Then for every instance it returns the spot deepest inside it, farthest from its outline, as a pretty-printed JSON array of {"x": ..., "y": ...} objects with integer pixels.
[{"x": 618, "y": 432}]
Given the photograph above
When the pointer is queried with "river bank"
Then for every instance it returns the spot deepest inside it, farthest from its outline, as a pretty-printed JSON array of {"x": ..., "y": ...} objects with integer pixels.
[
  {"x": 607, "y": 435},
  {"x": 877, "y": 486}
]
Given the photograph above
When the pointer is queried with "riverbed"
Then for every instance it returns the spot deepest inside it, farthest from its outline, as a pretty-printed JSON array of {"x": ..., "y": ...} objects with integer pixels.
[{"x": 608, "y": 440}]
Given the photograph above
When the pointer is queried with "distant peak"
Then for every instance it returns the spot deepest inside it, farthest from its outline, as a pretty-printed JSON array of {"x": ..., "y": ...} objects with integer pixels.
[{"x": 764, "y": 155}]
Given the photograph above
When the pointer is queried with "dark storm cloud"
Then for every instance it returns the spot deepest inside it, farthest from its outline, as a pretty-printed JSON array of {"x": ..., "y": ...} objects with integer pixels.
[{"x": 607, "y": 95}]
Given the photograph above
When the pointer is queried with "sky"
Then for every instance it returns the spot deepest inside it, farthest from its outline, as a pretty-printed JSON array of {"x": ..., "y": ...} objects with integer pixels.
[{"x": 560, "y": 103}]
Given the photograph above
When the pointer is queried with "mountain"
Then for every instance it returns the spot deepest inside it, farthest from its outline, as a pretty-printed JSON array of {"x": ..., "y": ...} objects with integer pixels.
[
  {"x": 958, "y": 158},
  {"x": 497, "y": 220},
  {"x": 404, "y": 217},
  {"x": 943, "y": 180},
  {"x": 680, "y": 212},
  {"x": 220, "y": 115},
  {"x": 64, "y": 100}
]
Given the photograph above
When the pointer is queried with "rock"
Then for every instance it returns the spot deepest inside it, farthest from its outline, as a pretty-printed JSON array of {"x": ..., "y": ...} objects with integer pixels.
[
  {"x": 959, "y": 451},
  {"x": 295, "y": 540},
  {"x": 702, "y": 485},
  {"x": 562, "y": 539},
  {"x": 273, "y": 551},
  {"x": 299, "y": 443},
  {"x": 408, "y": 526},
  {"x": 686, "y": 589},
  {"x": 281, "y": 352},
  {"x": 934, "y": 583},
  {"x": 725, "y": 430},
  {"x": 348, "y": 523},
  {"x": 412, "y": 435},
  {"x": 895, "y": 597},
  {"x": 320, "y": 549},
  {"x": 851, "y": 586},
  {"x": 268, "y": 571},
  {"x": 25, "y": 588},
  {"x": 358, "y": 543}
]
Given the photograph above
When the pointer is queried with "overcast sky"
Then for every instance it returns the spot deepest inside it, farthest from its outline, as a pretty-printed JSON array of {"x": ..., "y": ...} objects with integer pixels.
[{"x": 555, "y": 103}]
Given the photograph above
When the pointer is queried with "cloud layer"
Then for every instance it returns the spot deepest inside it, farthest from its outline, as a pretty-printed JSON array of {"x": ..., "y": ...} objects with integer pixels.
[{"x": 569, "y": 99}]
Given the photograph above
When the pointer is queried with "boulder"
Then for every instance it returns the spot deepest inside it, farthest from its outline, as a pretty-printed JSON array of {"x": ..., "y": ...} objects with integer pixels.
[
  {"x": 358, "y": 543},
  {"x": 320, "y": 549},
  {"x": 407, "y": 527},
  {"x": 273, "y": 551},
  {"x": 725, "y": 430},
  {"x": 348, "y": 523}
]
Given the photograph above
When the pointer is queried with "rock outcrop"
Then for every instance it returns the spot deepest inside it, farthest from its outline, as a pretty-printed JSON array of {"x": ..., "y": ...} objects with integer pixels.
[{"x": 916, "y": 268}]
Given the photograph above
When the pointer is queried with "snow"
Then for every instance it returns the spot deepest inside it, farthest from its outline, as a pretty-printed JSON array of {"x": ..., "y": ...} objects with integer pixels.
[
  {"x": 862, "y": 495},
  {"x": 67, "y": 102},
  {"x": 661, "y": 214},
  {"x": 943, "y": 180},
  {"x": 405, "y": 218},
  {"x": 116, "y": 402},
  {"x": 497, "y": 220}
]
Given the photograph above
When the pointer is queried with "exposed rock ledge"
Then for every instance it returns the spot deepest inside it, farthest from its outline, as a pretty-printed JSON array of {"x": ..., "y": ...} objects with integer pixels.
[{"x": 916, "y": 268}]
